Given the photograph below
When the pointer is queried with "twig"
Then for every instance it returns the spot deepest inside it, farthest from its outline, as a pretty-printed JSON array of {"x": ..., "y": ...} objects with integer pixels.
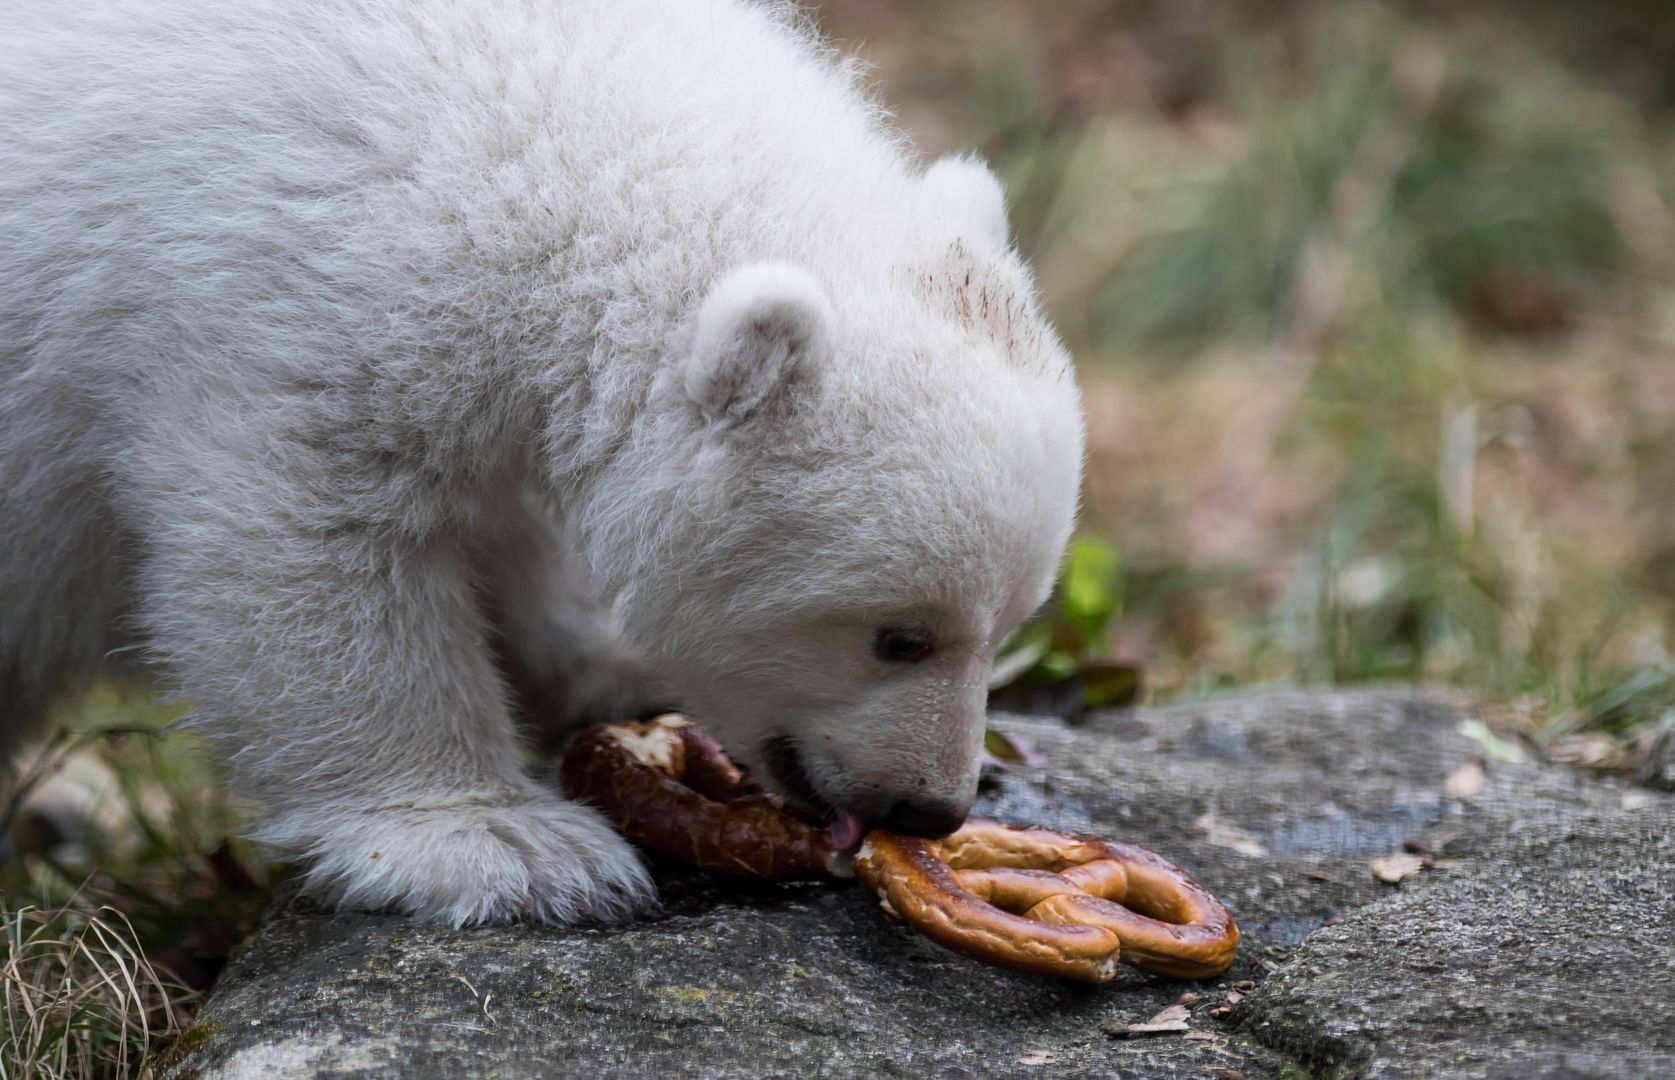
[{"x": 484, "y": 1001}]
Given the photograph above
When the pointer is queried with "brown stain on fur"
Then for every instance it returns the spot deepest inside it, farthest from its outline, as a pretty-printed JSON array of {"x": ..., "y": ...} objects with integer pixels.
[{"x": 989, "y": 306}]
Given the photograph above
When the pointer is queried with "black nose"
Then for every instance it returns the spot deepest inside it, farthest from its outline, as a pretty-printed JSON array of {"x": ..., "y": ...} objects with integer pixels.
[{"x": 924, "y": 818}]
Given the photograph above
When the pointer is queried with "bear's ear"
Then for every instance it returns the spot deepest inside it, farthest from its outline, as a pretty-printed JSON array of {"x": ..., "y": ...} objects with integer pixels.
[
  {"x": 761, "y": 328},
  {"x": 964, "y": 189}
]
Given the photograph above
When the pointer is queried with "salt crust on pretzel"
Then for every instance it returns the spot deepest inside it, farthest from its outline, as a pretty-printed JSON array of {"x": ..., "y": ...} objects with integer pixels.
[{"x": 1091, "y": 904}]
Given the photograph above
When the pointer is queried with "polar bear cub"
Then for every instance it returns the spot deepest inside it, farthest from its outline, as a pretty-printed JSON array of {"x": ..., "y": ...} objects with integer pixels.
[{"x": 397, "y": 374}]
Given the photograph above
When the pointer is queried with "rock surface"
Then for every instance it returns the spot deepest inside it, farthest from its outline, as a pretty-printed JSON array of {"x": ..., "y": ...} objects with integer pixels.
[{"x": 1537, "y": 944}]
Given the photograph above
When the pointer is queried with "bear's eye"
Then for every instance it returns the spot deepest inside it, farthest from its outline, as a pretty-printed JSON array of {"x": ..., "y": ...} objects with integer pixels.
[{"x": 898, "y": 645}]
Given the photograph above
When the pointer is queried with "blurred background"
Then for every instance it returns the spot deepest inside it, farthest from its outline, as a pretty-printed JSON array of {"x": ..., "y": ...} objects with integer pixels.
[
  {"x": 1374, "y": 306},
  {"x": 1373, "y": 309}
]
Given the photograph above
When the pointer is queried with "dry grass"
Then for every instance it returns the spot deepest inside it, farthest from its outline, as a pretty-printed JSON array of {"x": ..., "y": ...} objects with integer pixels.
[
  {"x": 124, "y": 891},
  {"x": 79, "y": 997}
]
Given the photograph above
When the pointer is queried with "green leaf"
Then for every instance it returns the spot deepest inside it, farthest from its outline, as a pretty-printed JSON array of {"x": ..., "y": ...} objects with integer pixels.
[
  {"x": 1053, "y": 666},
  {"x": 1110, "y": 685},
  {"x": 1001, "y": 747},
  {"x": 1012, "y": 751},
  {"x": 1493, "y": 745},
  {"x": 1092, "y": 588}
]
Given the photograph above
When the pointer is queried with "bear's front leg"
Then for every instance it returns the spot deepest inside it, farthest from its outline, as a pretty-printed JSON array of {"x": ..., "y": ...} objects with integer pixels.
[
  {"x": 563, "y": 660},
  {"x": 347, "y": 671}
]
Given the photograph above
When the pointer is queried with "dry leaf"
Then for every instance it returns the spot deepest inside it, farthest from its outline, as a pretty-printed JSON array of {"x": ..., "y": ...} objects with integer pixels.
[
  {"x": 1201, "y": 1036},
  {"x": 1225, "y": 835},
  {"x": 1171, "y": 1021},
  {"x": 1135, "y": 1030},
  {"x": 1432, "y": 846},
  {"x": 1467, "y": 781},
  {"x": 1173, "y": 1014},
  {"x": 1640, "y": 800},
  {"x": 1596, "y": 751},
  {"x": 1038, "y": 1057},
  {"x": 1393, "y": 869}
]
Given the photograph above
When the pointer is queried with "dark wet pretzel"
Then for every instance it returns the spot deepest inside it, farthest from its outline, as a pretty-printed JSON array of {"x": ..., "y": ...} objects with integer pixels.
[
  {"x": 1049, "y": 902},
  {"x": 669, "y": 787}
]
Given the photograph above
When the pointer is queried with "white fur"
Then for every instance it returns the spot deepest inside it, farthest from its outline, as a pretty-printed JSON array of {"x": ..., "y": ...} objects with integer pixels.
[
  {"x": 969, "y": 197},
  {"x": 388, "y": 366},
  {"x": 762, "y": 329}
]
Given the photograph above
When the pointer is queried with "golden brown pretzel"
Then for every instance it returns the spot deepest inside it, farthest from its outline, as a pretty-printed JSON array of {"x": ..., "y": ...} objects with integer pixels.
[
  {"x": 669, "y": 787},
  {"x": 1049, "y": 902}
]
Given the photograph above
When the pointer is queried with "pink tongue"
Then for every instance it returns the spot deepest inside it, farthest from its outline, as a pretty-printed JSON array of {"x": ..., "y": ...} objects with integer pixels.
[{"x": 846, "y": 831}]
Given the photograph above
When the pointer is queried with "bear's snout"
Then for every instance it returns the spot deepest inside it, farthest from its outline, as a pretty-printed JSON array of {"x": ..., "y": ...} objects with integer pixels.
[
  {"x": 916, "y": 812},
  {"x": 930, "y": 818}
]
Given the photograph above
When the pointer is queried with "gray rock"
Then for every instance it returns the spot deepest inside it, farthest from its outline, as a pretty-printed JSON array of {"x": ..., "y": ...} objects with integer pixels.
[
  {"x": 1553, "y": 958},
  {"x": 1658, "y": 770},
  {"x": 1542, "y": 948}
]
